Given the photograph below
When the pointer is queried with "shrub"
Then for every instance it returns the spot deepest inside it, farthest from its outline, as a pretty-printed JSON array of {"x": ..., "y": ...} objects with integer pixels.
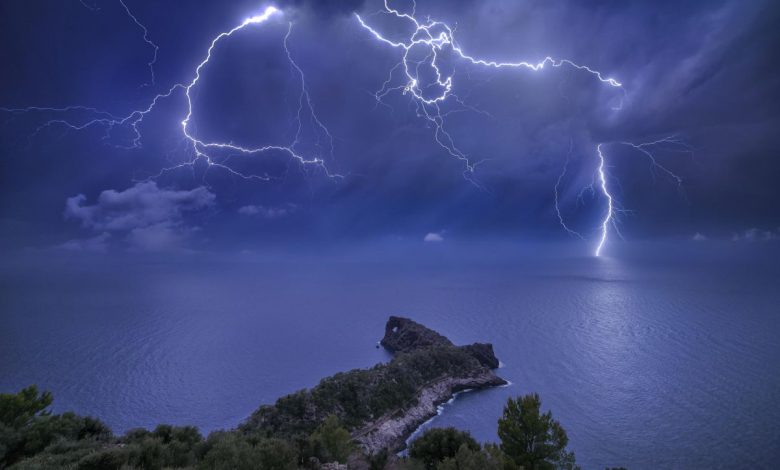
[
  {"x": 331, "y": 442},
  {"x": 230, "y": 450},
  {"x": 437, "y": 444},
  {"x": 466, "y": 458}
]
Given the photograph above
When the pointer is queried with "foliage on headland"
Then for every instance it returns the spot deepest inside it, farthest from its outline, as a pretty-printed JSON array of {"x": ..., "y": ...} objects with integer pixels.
[{"x": 360, "y": 395}]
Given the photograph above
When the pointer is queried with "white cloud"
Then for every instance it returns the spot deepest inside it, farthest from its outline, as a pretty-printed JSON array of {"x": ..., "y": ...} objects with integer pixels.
[
  {"x": 433, "y": 237},
  {"x": 152, "y": 218},
  {"x": 756, "y": 235},
  {"x": 96, "y": 244},
  {"x": 699, "y": 237},
  {"x": 268, "y": 212}
]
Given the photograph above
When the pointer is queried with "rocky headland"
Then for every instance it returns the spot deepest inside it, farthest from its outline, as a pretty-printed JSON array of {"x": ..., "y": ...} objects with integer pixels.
[{"x": 382, "y": 406}]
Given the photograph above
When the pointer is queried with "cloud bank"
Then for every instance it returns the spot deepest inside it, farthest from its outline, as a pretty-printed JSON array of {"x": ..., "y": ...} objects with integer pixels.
[{"x": 149, "y": 218}]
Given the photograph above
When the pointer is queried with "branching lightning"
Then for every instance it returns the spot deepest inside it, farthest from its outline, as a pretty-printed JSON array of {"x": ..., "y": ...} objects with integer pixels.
[
  {"x": 436, "y": 38},
  {"x": 420, "y": 73},
  {"x": 610, "y": 220},
  {"x": 201, "y": 148},
  {"x": 209, "y": 152},
  {"x": 147, "y": 40},
  {"x": 557, "y": 204}
]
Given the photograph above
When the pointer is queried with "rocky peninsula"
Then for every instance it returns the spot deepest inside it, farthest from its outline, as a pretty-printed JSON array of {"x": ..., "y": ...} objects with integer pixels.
[
  {"x": 357, "y": 420},
  {"x": 382, "y": 406}
]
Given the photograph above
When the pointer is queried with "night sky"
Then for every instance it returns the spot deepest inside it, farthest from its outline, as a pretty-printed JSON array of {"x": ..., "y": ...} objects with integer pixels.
[{"x": 704, "y": 72}]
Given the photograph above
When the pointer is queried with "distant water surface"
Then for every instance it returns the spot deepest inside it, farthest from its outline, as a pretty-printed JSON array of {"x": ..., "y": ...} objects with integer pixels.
[{"x": 656, "y": 359}]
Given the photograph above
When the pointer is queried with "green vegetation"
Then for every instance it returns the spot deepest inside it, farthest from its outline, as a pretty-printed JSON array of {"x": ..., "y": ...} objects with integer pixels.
[
  {"x": 487, "y": 458},
  {"x": 230, "y": 450},
  {"x": 331, "y": 442},
  {"x": 438, "y": 444},
  {"x": 359, "y": 396},
  {"x": 33, "y": 438},
  {"x": 532, "y": 439},
  {"x": 27, "y": 428}
]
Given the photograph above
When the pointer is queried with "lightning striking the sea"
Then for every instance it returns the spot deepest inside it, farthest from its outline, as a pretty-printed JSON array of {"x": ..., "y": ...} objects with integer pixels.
[{"x": 609, "y": 216}]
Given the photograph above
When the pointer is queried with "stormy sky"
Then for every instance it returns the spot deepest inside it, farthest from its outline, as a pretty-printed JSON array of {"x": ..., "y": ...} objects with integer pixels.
[{"x": 702, "y": 72}]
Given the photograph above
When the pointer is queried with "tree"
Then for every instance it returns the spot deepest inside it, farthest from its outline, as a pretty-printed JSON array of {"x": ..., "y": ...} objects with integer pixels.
[
  {"x": 276, "y": 454},
  {"x": 18, "y": 409},
  {"x": 331, "y": 442},
  {"x": 27, "y": 427},
  {"x": 437, "y": 444},
  {"x": 532, "y": 439}
]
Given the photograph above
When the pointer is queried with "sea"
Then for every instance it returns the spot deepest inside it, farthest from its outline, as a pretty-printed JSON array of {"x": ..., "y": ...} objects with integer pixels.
[{"x": 655, "y": 355}]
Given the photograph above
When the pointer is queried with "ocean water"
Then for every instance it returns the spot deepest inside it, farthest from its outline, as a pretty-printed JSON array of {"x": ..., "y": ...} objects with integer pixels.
[{"x": 654, "y": 357}]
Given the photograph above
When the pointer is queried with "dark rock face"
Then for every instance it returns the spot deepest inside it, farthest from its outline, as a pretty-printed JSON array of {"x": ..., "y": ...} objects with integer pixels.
[
  {"x": 483, "y": 352},
  {"x": 404, "y": 335}
]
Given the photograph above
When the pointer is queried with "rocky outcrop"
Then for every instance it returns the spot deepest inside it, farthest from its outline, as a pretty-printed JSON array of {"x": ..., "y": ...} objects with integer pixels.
[
  {"x": 404, "y": 335},
  {"x": 483, "y": 352},
  {"x": 382, "y": 406}
]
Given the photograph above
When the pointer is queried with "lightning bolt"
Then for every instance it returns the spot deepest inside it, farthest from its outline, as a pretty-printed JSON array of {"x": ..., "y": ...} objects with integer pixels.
[
  {"x": 201, "y": 148},
  {"x": 557, "y": 203},
  {"x": 147, "y": 39},
  {"x": 610, "y": 219},
  {"x": 206, "y": 151},
  {"x": 438, "y": 37},
  {"x": 88, "y": 6},
  {"x": 434, "y": 38}
]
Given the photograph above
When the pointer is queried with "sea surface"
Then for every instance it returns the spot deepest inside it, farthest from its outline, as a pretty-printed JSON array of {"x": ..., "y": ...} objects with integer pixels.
[{"x": 655, "y": 356}]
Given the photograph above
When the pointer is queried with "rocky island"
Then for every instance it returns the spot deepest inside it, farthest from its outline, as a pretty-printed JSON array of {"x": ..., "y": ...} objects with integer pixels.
[{"x": 382, "y": 406}]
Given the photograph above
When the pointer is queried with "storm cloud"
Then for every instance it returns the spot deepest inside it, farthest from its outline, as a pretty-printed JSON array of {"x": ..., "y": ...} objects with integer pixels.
[{"x": 702, "y": 71}]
